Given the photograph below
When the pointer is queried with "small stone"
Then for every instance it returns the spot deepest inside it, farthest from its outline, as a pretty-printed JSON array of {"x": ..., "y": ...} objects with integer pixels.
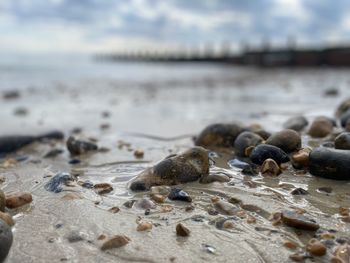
[
  {"x": 55, "y": 183},
  {"x": 15, "y": 200},
  {"x": 103, "y": 188},
  {"x": 129, "y": 204},
  {"x": 343, "y": 107},
  {"x": 179, "y": 195},
  {"x": 7, "y": 218},
  {"x": 297, "y": 123},
  {"x": 115, "y": 242},
  {"x": 245, "y": 140},
  {"x": 6, "y": 238},
  {"x": 225, "y": 208},
  {"x": 298, "y": 221},
  {"x": 251, "y": 220},
  {"x": 265, "y": 151},
  {"x": 287, "y": 140},
  {"x": 289, "y": 244},
  {"x": 301, "y": 158},
  {"x": 299, "y": 191},
  {"x": 316, "y": 248},
  {"x": 101, "y": 237},
  {"x": 342, "y": 141},
  {"x": 270, "y": 168},
  {"x": 321, "y": 127},
  {"x": 77, "y": 147},
  {"x": 143, "y": 226},
  {"x": 74, "y": 236},
  {"x": 228, "y": 224},
  {"x": 182, "y": 231},
  {"x": 2, "y": 201},
  {"x": 297, "y": 257},
  {"x": 139, "y": 153},
  {"x": 161, "y": 190},
  {"x": 114, "y": 209},
  {"x": 158, "y": 198},
  {"x": 53, "y": 153},
  {"x": 144, "y": 204}
]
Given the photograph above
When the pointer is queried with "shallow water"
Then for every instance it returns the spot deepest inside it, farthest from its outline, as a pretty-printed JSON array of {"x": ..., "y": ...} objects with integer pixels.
[{"x": 158, "y": 109}]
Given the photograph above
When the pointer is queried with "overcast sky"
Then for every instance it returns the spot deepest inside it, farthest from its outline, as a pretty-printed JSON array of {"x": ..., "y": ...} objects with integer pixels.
[{"x": 110, "y": 25}]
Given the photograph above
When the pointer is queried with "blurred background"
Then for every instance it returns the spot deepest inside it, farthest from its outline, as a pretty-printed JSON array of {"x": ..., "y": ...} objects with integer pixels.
[{"x": 196, "y": 61}]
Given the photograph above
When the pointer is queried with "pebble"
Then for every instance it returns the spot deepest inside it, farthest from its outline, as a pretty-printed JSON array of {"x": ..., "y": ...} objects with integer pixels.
[
  {"x": 182, "y": 231},
  {"x": 7, "y": 218},
  {"x": 77, "y": 147},
  {"x": 321, "y": 127},
  {"x": 129, "y": 204},
  {"x": 114, "y": 209},
  {"x": 289, "y": 244},
  {"x": 244, "y": 140},
  {"x": 330, "y": 163},
  {"x": 298, "y": 221},
  {"x": 344, "y": 118},
  {"x": 300, "y": 159},
  {"x": 188, "y": 166},
  {"x": 224, "y": 207},
  {"x": 264, "y": 151},
  {"x": 2, "y": 201},
  {"x": 53, "y": 153},
  {"x": 103, "y": 188},
  {"x": 158, "y": 198},
  {"x": 287, "y": 140},
  {"x": 6, "y": 238},
  {"x": 342, "y": 141},
  {"x": 179, "y": 195},
  {"x": 139, "y": 154},
  {"x": 74, "y": 236},
  {"x": 316, "y": 248},
  {"x": 144, "y": 204},
  {"x": 270, "y": 168},
  {"x": 115, "y": 242},
  {"x": 343, "y": 107},
  {"x": 143, "y": 226},
  {"x": 15, "y": 200},
  {"x": 160, "y": 190},
  {"x": 299, "y": 191},
  {"x": 55, "y": 183},
  {"x": 219, "y": 135},
  {"x": 297, "y": 123}
]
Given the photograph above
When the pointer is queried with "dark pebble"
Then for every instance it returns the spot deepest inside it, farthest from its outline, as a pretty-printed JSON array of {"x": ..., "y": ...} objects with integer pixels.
[
  {"x": 265, "y": 151},
  {"x": 87, "y": 184},
  {"x": 343, "y": 107},
  {"x": 299, "y": 191},
  {"x": 330, "y": 163},
  {"x": 179, "y": 195},
  {"x": 53, "y": 153},
  {"x": 342, "y": 141},
  {"x": 287, "y": 140},
  {"x": 129, "y": 204},
  {"x": 6, "y": 238},
  {"x": 328, "y": 144},
  {"x": 55, "y": 183},
  {"x": 219, "y": 135},
  {"x": 297, "y": 123},
  {"x": 74, "y": 161},
  {"x": 344, "y": 118},
  {"x": 244, "y": 140},
  {"x": 74, "y": 236},
  {"x": 76, "y": 147},
  {"x": 298, "y": 221},
  {"x": 321, "y": 127}
]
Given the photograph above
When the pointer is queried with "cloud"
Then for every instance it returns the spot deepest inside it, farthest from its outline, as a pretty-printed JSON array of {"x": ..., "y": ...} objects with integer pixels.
[{"x": 93, "y": 25}]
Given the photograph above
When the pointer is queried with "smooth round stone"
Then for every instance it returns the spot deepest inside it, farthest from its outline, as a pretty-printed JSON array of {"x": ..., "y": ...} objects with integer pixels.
[
  {"x": 342, "y": 141},
  {"x": 265, "y": 151},
  {"x": 343, "y": 107},
  {"x": 297, "y": 123},
  {"x": 218, "y": 135},
  {"x": 330, "y": 163},
  {"x": 5, "y": 240},
  {"x": 244, "y": 140},
  {"x": 2, "y": 201},
  {"x": 287, "y": 140},
  {"x": 344, "y": 118},
  {"x": 321, "y": 127}
]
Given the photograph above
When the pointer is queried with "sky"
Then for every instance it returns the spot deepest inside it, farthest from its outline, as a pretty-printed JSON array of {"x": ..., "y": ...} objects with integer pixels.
[{"x": 39, "y": 26}]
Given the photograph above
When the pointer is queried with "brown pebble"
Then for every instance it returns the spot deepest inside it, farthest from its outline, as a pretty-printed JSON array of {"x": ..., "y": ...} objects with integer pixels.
[
  {"x": 289, "y": 244},
  {"x": 182, "y": 231},
  {"x": 139, "y": 154},
  {"x": 114, "y": 209},
  {"x": 321, "y": 127},
  {"x": 251, "y": 220},
  {"x": 228, "y": 224},
  {"x": 7, "y": 218},
  {"x": 276, "y": 218},
  {"x": 101, "y": 237},
  {"x": 103, "y": 188},
  {"x": 270, "y": 168},
  {"x": 115, "y": 242},
  {"x": 297, "y": 257},
  {"x": 316, "y": 248},
  {"x": 248, "y": 150},
  {"x": 143, "y": 226},
  {"x": 15, "y": 200},
  {"x": 301, "y": 158},
  {"x": 298, "y": 221},
  {"x": 158, "y": 198}
]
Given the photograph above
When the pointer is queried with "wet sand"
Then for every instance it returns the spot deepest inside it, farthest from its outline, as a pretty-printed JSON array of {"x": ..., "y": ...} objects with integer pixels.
[{"x": 160, "y": 117}]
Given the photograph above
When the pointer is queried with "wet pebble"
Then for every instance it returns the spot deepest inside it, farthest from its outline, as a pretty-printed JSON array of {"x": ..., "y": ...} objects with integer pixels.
[
  {"x": 129, "y": 204},
  {"x": 342, "y": 141},
  {"x": 270, "y": 168},
  {"x": 115, "y": 242},
  {"x": 343, "y": 107},
  {"x": 219, "y": 135},
  {"x": 103, "y": 188},
  {"x": 299, "y": 221},
  {"x": 297, "y": 123},
  {"x": 182, "y": 231},
  {"x": 143, "y": 226},
  {"x": 300, "y": 159},
  {"x": 330, "y": 163},
  {"x": 299, "y": 191},
  {"x": 7, "y": 218},
  {"x": 178, "y": 194},
  {"x": 160, "y": 190},
  {"x": 74, "y": 161},
  {"x": 139, "y": 154},
  {"x": 321, "y": 127},
  {"x": 15, "y": 200},
  {"x": 77, "y": 147},
  {"x": 316, "y": 248},
  {"x": 53, "y": 153},
  {"x": 287, "y": 140},
  {"x": 244, "y": 140},
  {"x": 2, "y": 201},
  {"x": 264, "y": 151},
  {"x": 6, "y": 238},
  {"x": 56, "y": 182},
  {"x": 224, "y": 207}
]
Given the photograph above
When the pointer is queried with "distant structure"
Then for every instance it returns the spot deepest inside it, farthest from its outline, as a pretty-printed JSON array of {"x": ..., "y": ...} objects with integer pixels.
[{"x": 265, "y": 56}]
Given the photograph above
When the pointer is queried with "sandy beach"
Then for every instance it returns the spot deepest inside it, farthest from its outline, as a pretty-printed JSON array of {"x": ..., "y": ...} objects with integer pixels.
[{"x": 158, "y": 109}]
